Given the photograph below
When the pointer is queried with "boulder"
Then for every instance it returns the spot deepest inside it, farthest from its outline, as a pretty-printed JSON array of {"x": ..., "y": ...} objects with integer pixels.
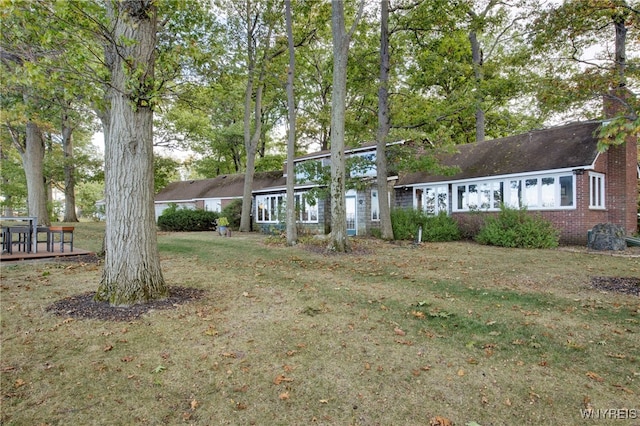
[{"x": 607, "y": 236}]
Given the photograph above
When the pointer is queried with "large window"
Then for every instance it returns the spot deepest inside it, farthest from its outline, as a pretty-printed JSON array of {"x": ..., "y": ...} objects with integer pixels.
[
  {"x": 272, "y": 209},
  {"x": 482, "y": 195},
  {"x": 432, "y": 199},
  {"x": 596, "y": 190},
  {"x": 534, "y": 192}
]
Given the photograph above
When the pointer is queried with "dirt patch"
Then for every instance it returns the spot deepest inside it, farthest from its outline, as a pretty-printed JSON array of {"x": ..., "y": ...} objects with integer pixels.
[
  {"x": 83, "y": 306},
  {"x": 624, "y": 285}
]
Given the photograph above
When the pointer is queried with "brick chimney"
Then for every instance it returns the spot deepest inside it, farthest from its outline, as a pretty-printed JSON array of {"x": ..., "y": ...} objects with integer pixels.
[{"x": 622, "y": 166}]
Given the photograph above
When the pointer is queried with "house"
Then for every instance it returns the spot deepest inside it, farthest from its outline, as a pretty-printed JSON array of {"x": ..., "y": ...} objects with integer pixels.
[
  {"x": 557, "y": 172},
  {"x": 211, "y": 194}
]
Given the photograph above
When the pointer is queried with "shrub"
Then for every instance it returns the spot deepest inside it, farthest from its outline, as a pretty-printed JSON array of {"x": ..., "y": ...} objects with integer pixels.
[
  {"x": 440, "y": 228},
  {"x": 233, "y": 212},
  {"x": 406, "y": 222},
  {"x": 518, "y": 228},
  {"x": 470, "y": 224},
  {"x": 181, "y": 220}
]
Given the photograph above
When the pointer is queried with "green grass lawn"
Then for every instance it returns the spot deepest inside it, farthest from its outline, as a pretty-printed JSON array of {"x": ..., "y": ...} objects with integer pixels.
[{"x": 393, "y": 334}]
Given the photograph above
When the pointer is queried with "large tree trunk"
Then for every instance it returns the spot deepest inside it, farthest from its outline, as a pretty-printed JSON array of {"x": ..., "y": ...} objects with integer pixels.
[
  {"x": 339, "y": 241},
  {"x": 69, "y": 173},
  {"x": 292, "y": 232},
  {"x": 33, "y": 161},
  {"x": 132, "y": 271},
  {"x": 386, "y": 230}
]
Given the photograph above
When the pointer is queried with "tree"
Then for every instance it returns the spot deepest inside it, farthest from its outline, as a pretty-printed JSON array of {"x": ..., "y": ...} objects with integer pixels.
[
  {"x": 20, "y": 53},
  {"x": 590, "y": 48},
  {"x": 256, "y": 39},
  {"x": 291, "y": 141},
  {"x": 341, "y": 42},
  {"x": 386, "y": 231},
  {"x": 132, "y": 272}
]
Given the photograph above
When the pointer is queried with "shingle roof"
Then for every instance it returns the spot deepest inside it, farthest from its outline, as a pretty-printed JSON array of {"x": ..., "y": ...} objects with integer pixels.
[
  {"x": 573, "y": 145},
  {"x": 223, "y": 186}
]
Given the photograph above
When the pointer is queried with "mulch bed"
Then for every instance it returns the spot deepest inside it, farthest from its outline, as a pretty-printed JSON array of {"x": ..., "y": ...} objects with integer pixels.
[
  {"x": 626, "y": 285},
  {"x": 84, "y": 307}
]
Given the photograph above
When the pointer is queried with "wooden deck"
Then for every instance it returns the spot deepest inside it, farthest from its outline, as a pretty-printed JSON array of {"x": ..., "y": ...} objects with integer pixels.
[{"x": 44, "y": 254}]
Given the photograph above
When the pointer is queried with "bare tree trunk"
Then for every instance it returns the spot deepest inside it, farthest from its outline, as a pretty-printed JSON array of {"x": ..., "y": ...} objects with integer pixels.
[
  {"x": 339, "y": 241},
  {"x": 292, "y": 232},
  {"x": 476, "y": 54},
  {"x": 33, "y": 162},
  {"x": 132, "y": 271},
  {"x": 69, "y": 172},
  {"x": 386, "y": 230},
  {"x": 341, "y": 41}
]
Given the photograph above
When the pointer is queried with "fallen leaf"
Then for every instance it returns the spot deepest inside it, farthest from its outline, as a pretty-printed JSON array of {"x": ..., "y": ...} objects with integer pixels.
[
  {"x": 241, "y": 406},
  {"x": 280, "y": 378},
  {"x": 107, "y": 348},
  {"x": 19, "y": 382},
  {"x": 126, "y": 359},
  {"x": 324, "y": 401},
  {"x": 622, "y": 388},
  {"x": 461, "y": 372},
  {"x": 594, "y": 376},
  {"x": 194, "y": 404},
  {"x": 284, "y": 396},
  {"x": 399, "y": 332},
  {"x": 440, "y": 421},
  {"x": 418, "y": 314},
  {"x": 507, "y": 402}
]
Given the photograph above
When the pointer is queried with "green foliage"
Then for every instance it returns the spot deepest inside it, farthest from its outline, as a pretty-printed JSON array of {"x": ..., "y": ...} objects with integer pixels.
[
  {"x": 518, "y": 228},
  {"x": 184, "y": 220},
  {"x": 233, "y": 212},
  {"x": 165, "y": 171},
  {"x": 406, "y": 222}
]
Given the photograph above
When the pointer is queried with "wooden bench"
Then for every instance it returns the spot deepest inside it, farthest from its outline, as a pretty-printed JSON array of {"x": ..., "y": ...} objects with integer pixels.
[{"x": 61, "y": 231}]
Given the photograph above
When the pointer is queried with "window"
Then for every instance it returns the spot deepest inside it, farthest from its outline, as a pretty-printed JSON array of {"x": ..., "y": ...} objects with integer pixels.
[
  {"x": 375, "y": 206},
  {"x": 539, "y": 192},
  {"x": 596, "y": 190},
  {"x": 272, "y": 209},
  {"x": 432, "y": 199},
  {"x": 484, "y": 195},
  {"x": 307, "y": 212},
  {"x": 566, "y": 190}
]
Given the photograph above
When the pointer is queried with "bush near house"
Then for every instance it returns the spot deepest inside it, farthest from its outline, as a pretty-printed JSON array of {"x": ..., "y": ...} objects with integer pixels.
[
  {"x": 185, "y": 220},
  {"x": 518, "y": 228},
  {"x": 406, "y": 222},
  {"x": 233, "y": 212}
]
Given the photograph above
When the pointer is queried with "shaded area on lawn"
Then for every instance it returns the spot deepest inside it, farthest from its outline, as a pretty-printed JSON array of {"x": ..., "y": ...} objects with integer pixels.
[
  {"x": 617, "y": 284},
  {"x": 83, "y": 306}
]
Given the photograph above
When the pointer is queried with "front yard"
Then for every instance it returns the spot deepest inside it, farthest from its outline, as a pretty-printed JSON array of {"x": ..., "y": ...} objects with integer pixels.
[{"x": 391, "y": 334}]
